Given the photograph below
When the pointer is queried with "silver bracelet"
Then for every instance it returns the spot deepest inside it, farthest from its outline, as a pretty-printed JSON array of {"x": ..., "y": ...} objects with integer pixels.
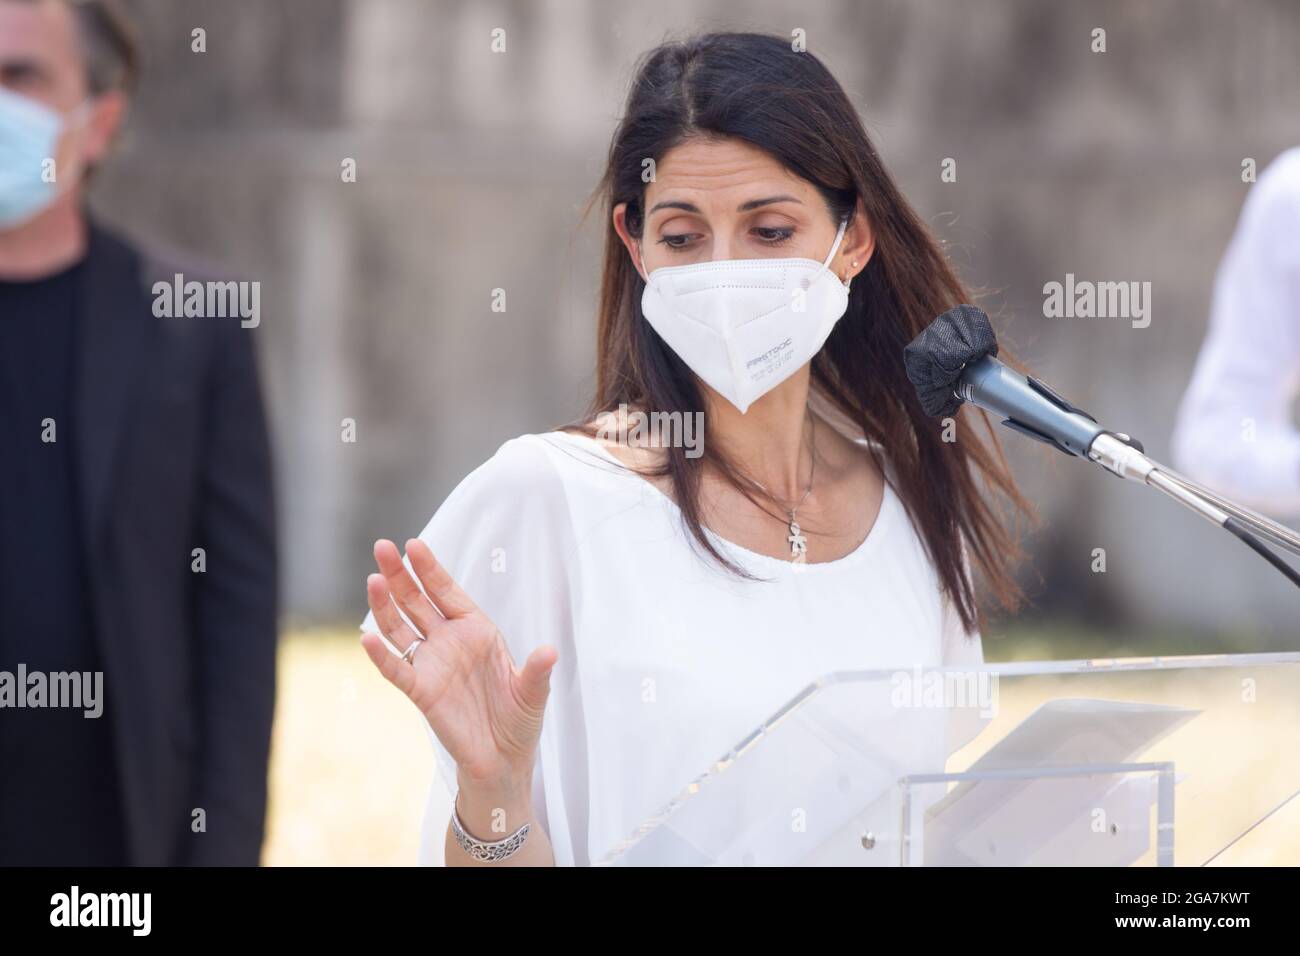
[{"x": 482, "y": 850}]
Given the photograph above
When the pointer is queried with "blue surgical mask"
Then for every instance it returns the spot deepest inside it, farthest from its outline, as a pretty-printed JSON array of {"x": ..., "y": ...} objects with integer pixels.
[{"x": 29, "y": 138}]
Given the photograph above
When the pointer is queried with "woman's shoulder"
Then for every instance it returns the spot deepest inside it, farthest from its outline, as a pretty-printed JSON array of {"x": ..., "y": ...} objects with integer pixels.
[
  {"x": 538, "y": 468},
  {"x": 545, "y": 456},
  {"x": 514, "y": 499},
  {"x": 538, "y": 492}
]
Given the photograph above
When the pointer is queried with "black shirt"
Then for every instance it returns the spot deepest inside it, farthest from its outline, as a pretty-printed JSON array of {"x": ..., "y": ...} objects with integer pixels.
[{"x": 58, "y": 785}]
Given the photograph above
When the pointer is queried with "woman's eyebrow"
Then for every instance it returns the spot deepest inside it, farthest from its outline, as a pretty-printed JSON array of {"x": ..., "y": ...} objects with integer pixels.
[
  {"x": 743, "y": 207},
  {"x": 755, "y": 203},
  {"x": 672, "y": 204}
]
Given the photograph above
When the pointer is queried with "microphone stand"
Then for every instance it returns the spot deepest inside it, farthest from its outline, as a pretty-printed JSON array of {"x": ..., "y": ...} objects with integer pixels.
[
  {"x": 1028, "y": 406},
  {"x": 1122, "y": 456}
]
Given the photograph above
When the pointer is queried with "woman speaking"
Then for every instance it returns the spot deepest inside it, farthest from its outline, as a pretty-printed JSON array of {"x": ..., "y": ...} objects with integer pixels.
[{"x": 589, "y": 621}]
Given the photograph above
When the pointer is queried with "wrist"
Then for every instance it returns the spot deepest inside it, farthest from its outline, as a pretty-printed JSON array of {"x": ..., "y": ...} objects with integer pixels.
[
  {"x": 508, "y": 786},
  {"x": 492, "y": 813}
]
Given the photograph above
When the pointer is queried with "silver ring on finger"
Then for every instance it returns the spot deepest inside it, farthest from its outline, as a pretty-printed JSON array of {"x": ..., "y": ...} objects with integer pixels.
[{"x": 409, "y": 653}]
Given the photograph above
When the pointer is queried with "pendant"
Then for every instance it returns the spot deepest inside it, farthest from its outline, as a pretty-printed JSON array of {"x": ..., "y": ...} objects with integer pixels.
[{"x": 798, "y": 542}]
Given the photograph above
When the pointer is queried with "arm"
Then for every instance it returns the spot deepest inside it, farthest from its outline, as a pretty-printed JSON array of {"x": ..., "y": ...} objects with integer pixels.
[
  {"x": 963, "y": 651},
  {"x": 234, "y": 612},
  {"x": 482, "y": 682},
  {"x": 486, "y": 712},
  {"x": 1234, "y": 429}
]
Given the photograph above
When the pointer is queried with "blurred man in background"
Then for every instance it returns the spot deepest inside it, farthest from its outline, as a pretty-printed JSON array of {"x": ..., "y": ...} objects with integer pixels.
[
  {"x": 1235, "y": 430},
  {"x": 136, "y": 521}
]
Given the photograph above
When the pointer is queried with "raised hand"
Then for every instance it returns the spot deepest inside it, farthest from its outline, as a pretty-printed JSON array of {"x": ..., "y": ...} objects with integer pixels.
[{"x": 484, "y": 710}]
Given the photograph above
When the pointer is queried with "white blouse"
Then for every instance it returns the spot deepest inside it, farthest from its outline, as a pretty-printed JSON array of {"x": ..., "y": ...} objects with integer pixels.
[{"x": 665, "y": 660}]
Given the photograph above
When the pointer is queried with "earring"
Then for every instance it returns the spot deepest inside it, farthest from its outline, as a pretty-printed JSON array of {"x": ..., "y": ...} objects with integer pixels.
[{"x": 855, "y": 263}]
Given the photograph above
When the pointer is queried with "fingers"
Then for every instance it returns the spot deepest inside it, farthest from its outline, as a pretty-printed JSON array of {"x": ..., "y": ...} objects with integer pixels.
[
  {"x": 535, "y": 678},
  {"x": 403, "y": 587},
  {"x": 390, "y": 623},
  {"x": 447, "y": 595},
  {"x": 399, "y": 673}
]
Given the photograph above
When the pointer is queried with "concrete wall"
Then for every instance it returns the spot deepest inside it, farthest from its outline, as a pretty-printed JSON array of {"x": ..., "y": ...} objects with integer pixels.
[{"x": 472, "y": 168}]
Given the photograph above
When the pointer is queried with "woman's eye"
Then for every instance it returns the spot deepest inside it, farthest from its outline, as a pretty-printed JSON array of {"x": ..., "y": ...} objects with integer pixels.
[
  {"x": 676, "y": 241},
  {"x": 768, "y": 235}
]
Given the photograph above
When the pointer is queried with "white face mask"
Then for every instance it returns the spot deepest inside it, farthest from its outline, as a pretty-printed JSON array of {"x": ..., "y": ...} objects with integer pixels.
[{"x": 746, "y": 325}]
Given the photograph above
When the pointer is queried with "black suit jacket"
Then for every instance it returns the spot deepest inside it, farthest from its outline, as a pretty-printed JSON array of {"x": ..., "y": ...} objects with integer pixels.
[{"x": 173, "y": 455}]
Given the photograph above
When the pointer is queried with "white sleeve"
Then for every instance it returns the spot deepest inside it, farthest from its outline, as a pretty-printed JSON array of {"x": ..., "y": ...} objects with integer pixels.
[
  {"x": 505, "y": 536},
  {"x": 1234, "y": 430},
  {"x": 960, "y": 647},
  {"x": 962, "y": 650}
]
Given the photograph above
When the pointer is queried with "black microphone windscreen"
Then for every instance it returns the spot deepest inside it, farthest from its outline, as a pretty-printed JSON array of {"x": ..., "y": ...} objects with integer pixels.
[{"x": 934, "y": 359}]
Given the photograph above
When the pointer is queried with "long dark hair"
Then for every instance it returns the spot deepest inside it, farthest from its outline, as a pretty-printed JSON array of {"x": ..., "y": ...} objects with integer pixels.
[{"x": 757, "y": 89}]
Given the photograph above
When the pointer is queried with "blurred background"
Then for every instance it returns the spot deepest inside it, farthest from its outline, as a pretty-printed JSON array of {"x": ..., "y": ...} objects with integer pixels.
[{"x": 472, "y": 169}]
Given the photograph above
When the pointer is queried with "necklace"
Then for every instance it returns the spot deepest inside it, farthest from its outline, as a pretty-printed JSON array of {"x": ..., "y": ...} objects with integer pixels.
[{"x": 798, "y": 540}]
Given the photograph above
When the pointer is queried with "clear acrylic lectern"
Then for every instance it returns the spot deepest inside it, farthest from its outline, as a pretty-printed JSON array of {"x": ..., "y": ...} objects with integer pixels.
[{"x": 1149, "y": 762}]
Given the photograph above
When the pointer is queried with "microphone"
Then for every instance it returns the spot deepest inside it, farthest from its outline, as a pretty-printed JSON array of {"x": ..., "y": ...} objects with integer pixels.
[{"x": 953, "y": 361}]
